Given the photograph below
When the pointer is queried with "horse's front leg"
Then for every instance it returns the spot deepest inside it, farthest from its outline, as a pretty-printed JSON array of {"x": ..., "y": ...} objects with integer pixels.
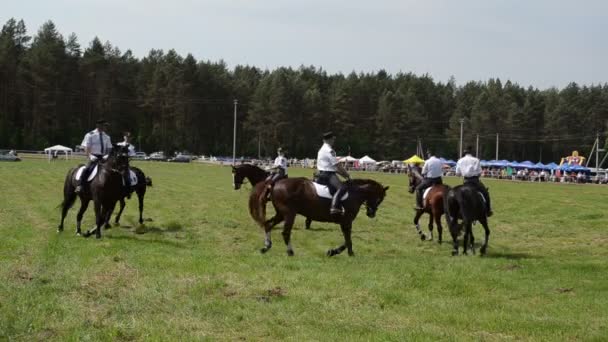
[
  {"x": 308, "y": 223},
  {"x": 430, "y": 227},
  {"x": 346, "y": 228},
  {"x": 289, "y": 219},
  {"x": 439, "y": 226},
  {"x": 108, "y": 216},
  {"x": 140, "y": 198},
  {"x": 99, "y": 220}
]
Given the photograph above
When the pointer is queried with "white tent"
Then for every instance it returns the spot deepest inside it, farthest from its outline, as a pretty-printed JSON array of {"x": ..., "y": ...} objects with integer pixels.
[
  {"x": 367, "y": 160},
  {"x": 347, "y": 159},
  {"x": 54, "y": 150}
]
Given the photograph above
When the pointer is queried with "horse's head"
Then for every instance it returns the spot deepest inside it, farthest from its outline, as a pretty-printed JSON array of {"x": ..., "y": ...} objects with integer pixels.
[
  {"x": 414, "y": 177},
  {"x": 247, "y": 171},
  {"x": 120, "y": 157},
  {"x": 374, "y": 194}
]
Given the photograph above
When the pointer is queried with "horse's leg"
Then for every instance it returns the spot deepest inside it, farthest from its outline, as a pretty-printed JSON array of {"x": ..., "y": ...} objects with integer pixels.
[
  {"x": 84, "y": 204},
  {"x": 484, "y": 248},
  {"x": 122, "y": 207},
  {"x": 437, "y": 216},
  {"x": 467, "y": 236},
  {"x": 430, "y": 226},
  {"x": 108, "y": 216},
  {"x": 416, "y": 223},
  {"x": 472, "y": 240},
  {"x": 348, "y": 244},
  {"x": 99, "y": 217},
  {"x": 308, "y": 222},
  {"x": 289, "y": 219},
  {"x": 140, "y": 198},
  {"x": 68, "y": 201}
]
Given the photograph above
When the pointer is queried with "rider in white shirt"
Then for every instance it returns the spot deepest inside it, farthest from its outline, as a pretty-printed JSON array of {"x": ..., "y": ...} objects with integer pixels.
[
  {"x": 328, "y": 167},
  {"x": 278, "y": 169},
  {"x": 470, "y": 168},
  {"x": 432, "y": 171},
  {"x": 97, "y": 145},
  {"x": 126, "y": 175}
]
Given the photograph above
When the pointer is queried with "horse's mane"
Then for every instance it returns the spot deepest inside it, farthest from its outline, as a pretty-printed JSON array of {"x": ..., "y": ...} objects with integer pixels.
[
  {"x": 415, "y": 170},
  {"x": 360, "y": 183}
]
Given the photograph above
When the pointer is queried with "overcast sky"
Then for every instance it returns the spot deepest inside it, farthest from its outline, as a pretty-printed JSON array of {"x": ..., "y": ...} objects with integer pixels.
[{"x": 542, "y": 43}]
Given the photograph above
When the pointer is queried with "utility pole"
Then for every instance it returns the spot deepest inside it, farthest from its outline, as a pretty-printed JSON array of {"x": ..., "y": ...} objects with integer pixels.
[
  {"x": 259, "y": 146},
  {"x": 597, "y": 153},
  {"x": 496, "y": 146},
  {"x": 234, "y": 134},
  {"x": 477, "y": 147},
  {"x": 461, "y": 127}
]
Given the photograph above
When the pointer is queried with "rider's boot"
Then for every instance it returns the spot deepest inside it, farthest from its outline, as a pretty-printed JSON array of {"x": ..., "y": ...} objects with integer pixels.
[{"x": 336, "y": 209}]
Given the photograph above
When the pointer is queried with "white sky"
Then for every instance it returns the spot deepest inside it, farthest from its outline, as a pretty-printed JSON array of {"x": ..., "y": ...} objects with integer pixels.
[{"x": 542, "y": 43}]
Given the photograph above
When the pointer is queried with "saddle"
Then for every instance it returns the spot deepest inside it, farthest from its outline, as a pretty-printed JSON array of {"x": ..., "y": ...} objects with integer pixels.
[
  {"x": 324, "y": 191},
  {"x": 133, "y": 178},
  {"x": 92, "y": 175}
]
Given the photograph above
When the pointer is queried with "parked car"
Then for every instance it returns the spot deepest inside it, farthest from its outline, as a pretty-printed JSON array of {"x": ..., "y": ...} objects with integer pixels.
[
  {"x": 180, "y": 158},
  {"x": 157, "y": 156},
  {"x": 9, "y": 156},
  {"x": 140, "y": 156}
]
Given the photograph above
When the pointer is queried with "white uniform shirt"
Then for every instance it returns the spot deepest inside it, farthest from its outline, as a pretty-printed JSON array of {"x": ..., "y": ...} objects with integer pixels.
[
  {"x": 326, "y": 159},
  {"x": 281, "y": 162},
  {"x": 432, "y": 168},
  {"x": 94, "y": 143},
  {"x": 131, "y": 147},
  {"x": 83, "y": 144},
  {"x": 468, "y": 166}
]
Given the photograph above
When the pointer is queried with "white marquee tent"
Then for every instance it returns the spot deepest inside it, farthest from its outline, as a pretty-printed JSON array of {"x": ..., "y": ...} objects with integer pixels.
[
  {"x": 367, "y": 160},
  {"x": 55, "y": 150},
  {"x": 348, "y": 159}
]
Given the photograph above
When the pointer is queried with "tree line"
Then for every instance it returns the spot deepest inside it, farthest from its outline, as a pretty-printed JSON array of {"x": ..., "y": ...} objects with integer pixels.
[{"x": 52, "y": 90}]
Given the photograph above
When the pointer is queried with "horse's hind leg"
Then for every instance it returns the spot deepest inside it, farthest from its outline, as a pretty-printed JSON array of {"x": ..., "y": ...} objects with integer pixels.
[
  {"x": 108, "y": 216},
  {"x": 84, "y": 204},
  {"x": 289, "y": 219},
  {"x": 268, "y": 225},
  {"x": 122, "y": 207},
  {"x": 437, "y": 217},
  {"x": 308, "y": 223},
  {"x": 68, "y": 201},
  {"x": 484, "y": 248},
  {"x": 140, "y": 198},
  {"x": 430, "y": 227},
  {"x": 468, "y": 232}
]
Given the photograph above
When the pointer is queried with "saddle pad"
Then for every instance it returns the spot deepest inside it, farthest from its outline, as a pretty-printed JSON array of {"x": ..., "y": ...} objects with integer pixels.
[
  {"x": 482, "y": 198},
  {"x": 91, "y": 176},
  {"x": 323, "y": 191},
  {"x": 133, "y": 177},
  {"x": 426, "y": 192}
]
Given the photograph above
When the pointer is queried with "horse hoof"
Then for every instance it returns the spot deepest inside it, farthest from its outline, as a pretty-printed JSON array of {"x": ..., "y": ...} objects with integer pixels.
[
  {"x": 483, "y": 251},
  {"x": 351, "y": 254},
  {"x": 263, "y": 250},
  {"x": 107, "y": 226},
  {"x": 331, "y": 253},
  {"x": 454, "y": 253},
  {"x": 290, "y": 252},
  {"x": 422, "y": 237}
]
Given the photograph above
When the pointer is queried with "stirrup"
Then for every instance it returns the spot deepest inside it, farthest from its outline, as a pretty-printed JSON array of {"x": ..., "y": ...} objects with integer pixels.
[
  {"x": 336, "y": 211},
  {"x": 417, "y": 207}
]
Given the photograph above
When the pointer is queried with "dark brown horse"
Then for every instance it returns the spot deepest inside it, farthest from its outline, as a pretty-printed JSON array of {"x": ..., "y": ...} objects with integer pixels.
[
  {"x": 105, "y": 190},
  {"x": 466, "y": 203},
  {"x": 143, "y": 183},
  {"x": 256, "y": 177},
  {"x": 432, "y": 204},
  {"x": 298, "y": 196}
]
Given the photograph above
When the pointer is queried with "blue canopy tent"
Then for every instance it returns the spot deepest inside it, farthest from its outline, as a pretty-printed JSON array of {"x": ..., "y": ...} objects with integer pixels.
[
  {"x": 484, "y": 163},
  {"x": 552, "y": 166},
  {"x": 450, "y": 162},
  {"x": 541, "y": 166}
]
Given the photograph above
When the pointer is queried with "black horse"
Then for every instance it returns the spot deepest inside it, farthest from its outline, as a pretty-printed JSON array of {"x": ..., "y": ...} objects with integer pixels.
[
  {"x": 105, "y": 190},
  {"x": 465, "y": 202},
  {"x": 140, "y": 189}
]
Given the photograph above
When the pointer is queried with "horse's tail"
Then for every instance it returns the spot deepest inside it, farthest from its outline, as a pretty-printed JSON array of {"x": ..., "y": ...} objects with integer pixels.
[
  {"x": 148, "y": 181},
  {"x": 257, "y": 203},
  {"x": 69, "y": 192},
  {"x": 446, "y": 206}
]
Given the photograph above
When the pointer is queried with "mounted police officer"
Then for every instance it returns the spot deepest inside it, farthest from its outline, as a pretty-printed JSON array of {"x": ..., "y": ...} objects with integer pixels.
[
  {"x": 126, "y": 175},
  {"x": 432, "y": 172},
  {"x": 328, "y": 167},
  {"x": 278, "y": 169},
  {"x": 97, "y": 144},
  {"x": 470, "y": 168}
]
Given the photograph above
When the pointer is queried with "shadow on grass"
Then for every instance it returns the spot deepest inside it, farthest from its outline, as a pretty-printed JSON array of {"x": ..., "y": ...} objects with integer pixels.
[
  {"x": 510, "y": 256},
  {"x": 158, "y": 242}
]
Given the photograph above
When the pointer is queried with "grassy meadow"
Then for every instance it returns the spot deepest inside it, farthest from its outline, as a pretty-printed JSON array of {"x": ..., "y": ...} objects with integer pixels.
[{"x": 194, "y": 271}]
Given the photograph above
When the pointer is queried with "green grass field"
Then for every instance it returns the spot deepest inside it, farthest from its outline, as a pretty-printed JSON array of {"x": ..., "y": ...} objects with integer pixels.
[{"x": 194, "y": 272}]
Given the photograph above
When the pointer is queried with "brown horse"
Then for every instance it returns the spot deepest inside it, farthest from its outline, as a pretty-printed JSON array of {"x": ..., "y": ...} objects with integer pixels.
[
  {"x": 432, "y": 204},
  {"x": 298, "y": 196},
  {"x": 105, "y": 190},
  {"x": 256, "y": 177}
]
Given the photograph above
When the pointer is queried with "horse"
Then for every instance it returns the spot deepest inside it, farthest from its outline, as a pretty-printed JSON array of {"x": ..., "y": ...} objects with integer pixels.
[
  {"x": 140, "y": 189},
  {"x": 467, "y": 203},
  {"x": 298, "y": 196},
  {"x": 256, "y": 177},
  {"x": 109, "y": 177},
  {"x": 432, "y": 204}
]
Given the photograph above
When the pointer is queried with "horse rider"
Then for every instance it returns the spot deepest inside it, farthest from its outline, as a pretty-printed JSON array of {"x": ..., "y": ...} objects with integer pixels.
[
  {"x": 126, "y": 175},
  {"x": 328, "y": 166},
  {"x": 279, "y": 168},
  {"x": 97, "y": 144},
  {"x": 432, "y": 172},
  {"x": 470, "y": 168}
]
